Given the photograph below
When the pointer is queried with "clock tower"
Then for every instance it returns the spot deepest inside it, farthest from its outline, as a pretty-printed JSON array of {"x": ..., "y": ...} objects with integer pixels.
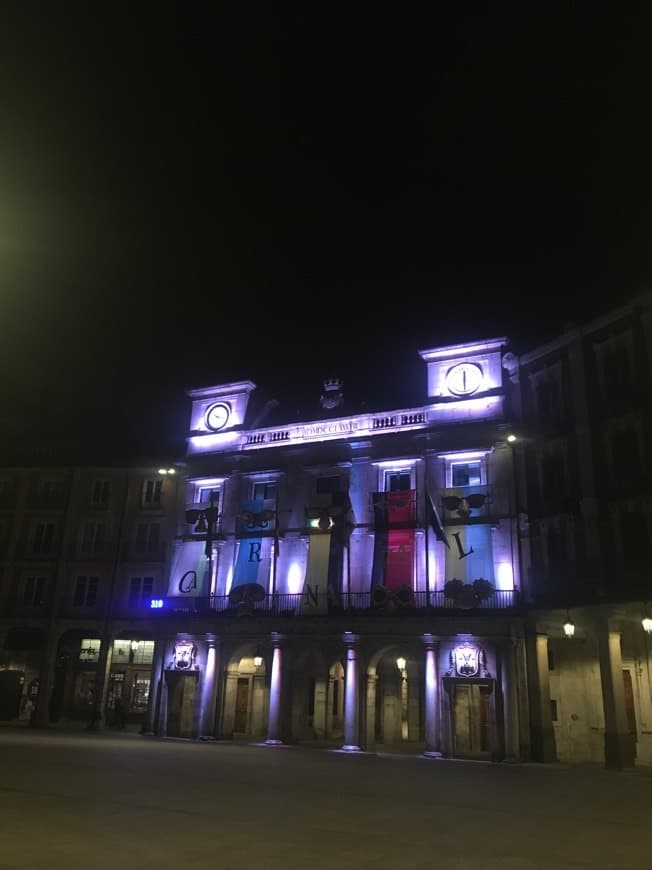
[
  {"x": 219, "y": 408},
  {"x": 464, "y": 371}
]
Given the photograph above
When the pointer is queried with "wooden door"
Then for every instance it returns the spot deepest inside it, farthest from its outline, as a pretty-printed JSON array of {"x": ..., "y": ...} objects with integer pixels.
[
  {"x": 241, "y": 705},
  {"x": 630, "y": 710}
]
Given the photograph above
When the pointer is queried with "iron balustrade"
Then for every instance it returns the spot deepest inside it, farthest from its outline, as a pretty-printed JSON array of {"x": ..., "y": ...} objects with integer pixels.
[{"x": 296, "y": 604}]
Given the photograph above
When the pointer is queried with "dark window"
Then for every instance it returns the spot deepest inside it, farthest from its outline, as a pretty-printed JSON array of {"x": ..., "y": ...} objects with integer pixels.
[
  {"x": 35, "y": 591},
  {"x": 100, "y": 494},
  {"x": 85, "y": 594},
  {"x": 466, "y": 474},
  {"x": 147, "y": 537},
  {"x": 140, "y": 591},
  {"x": 553, "y": 710},
  {"x": 327, "y": 485},
  {"x": 548, "y": 399},
  {"x": 93, "y": 538},
  {"x": 43, "y": 538},
  {"x": 152, "y": 492},
  {"x": 398, "y": 481},
  {"x": 264, "y": 491}
]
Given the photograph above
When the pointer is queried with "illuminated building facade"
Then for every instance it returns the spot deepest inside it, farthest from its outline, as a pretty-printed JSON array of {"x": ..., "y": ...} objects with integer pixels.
[{"x": 400, "y": 579}]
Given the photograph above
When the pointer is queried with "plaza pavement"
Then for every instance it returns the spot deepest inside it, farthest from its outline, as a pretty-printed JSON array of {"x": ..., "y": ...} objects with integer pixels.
[{"x": 74, "y": 799}]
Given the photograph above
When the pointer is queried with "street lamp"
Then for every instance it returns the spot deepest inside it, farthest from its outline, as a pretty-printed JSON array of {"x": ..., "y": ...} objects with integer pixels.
[
  {"x": 401, "y": 664},
  {"x": 646, "y": 622}
]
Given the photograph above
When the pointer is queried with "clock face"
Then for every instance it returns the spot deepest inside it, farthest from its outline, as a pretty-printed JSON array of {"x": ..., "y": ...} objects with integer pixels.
[
  {"x": 217, "y": 416},
  {"x": 463, "y": 379}
]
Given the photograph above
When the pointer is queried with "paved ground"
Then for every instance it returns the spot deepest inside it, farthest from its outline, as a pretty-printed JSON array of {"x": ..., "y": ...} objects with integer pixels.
[{"x": 126, "y": 802}]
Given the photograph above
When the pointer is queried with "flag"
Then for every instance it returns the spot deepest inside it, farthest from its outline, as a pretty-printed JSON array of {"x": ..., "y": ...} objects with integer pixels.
[
  {"x": 252, "y": 567},
  {"x": 393, "y": 560},
  {"x": 435, "y": 521}
]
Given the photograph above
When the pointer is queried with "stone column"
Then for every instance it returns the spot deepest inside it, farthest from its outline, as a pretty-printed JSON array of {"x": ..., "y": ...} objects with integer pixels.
[
  {"x": 208, "y": 693},
  {"x": 98, "y": 720},
  {"x": 150, "y": 724},
  {"x": 274, "y": 726},
  {"x": 41, "y": 716},
  {"x": 543, "y": 737},
  {"x": 351, "y": 699},
  {"x": 433, "y": 743},
  {"x": 618, "y": 748},
  {"x": 510, "y": 702}
]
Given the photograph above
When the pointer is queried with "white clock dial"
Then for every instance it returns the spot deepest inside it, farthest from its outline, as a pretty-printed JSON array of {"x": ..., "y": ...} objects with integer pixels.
[
  {"x": 463, "y": 379},
  {"x": 217, "y": 416}
]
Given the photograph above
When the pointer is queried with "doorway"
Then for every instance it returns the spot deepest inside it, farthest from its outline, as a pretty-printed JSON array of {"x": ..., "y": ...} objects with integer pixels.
[
  {"x": 471, "y": 720},
  {"x": 241, "y": 706}
]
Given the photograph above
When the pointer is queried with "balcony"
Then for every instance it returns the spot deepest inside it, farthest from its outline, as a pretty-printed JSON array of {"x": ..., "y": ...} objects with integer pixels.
[{"x": 353, "y": 603}]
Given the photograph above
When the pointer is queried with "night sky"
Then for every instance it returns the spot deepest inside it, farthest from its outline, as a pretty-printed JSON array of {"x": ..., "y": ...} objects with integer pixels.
[{"x": 188, "y": 200}]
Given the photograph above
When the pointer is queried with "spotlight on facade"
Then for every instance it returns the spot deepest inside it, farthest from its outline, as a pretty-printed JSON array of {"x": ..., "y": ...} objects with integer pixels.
[
  {"x": 401, "y": 663},
  {"x": 646, "y": 622},
  {"x": 167, "y": 471},
  {"x": 569, "y": 628},
  {"x": 511, "y": 438}
]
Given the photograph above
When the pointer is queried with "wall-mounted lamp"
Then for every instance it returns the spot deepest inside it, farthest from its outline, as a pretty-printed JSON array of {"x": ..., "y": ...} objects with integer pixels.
[
  {"x": 258, "y": 659},
  {"x": 167, "y": 471},
  {"x": 646, "y": 622},
  {"x": 569, "y": 627},
  {"x": 401, "y": 663},
  {"x": 511, "y": 438}
]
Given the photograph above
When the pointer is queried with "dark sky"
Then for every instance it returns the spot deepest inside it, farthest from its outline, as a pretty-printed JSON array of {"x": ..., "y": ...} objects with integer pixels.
[{"x": 196, "y": 198}]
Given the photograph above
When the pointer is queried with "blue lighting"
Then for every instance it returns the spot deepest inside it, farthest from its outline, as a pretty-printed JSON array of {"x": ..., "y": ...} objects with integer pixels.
[{"x": 156, "y": 603}]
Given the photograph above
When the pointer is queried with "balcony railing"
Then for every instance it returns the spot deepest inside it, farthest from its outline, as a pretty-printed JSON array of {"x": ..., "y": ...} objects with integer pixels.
[{"x": 360, "y": 603}]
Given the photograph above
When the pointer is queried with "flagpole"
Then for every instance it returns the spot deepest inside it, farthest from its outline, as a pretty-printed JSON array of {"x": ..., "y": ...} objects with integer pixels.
[
  {"x": 425, "y": 525},
  {"x": 276, "y": 539}
]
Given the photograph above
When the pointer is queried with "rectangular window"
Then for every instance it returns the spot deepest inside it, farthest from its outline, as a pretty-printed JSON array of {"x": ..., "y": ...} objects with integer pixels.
[
  {"x": 43, "y": 538},
  {"x": 327, "y": 485},
  {"x": 35, "y": 591},
  {"x": 50, "y": 491},
  {"x": 100, "y": 493},
  {"x": 89, "y": 650},
  {"x": 398, "y": 481},
  {"x": 92, "y": 538},
  {"x": 85, "y": 594},
  {"x": 144, "y": 653},
  {"x": 140, "y": 591},
  {"x": 152, "y": 492},
  {"x": 553, "y": 710},
  {"x": 147, "y": 537},
  {"x": 141, "y": 691},
  {"x": 465, "y": 474},
  {"x": 264, "y": 491},
  {"x": 206, "y": 495}
]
